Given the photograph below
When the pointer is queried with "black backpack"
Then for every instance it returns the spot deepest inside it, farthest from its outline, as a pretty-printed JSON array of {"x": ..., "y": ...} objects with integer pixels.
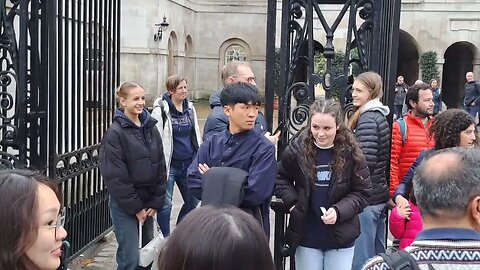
[{"x": 401, "y": 260}]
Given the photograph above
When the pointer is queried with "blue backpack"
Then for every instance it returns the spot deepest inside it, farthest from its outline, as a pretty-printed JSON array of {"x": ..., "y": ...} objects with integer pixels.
[{"x": 403, "y": 129}]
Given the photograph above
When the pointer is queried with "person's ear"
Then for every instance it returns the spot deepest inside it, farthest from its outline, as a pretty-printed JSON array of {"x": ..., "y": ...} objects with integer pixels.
[
  {"x": 227, "y": 110},
  {"x": 474, "y": 213},
  {"x": 122, "y": 102},
  {"x": 413, "y": 104},
  {"x": 231, "y": 80}
]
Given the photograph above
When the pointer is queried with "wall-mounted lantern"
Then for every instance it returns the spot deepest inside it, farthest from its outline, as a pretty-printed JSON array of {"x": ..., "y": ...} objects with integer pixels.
[{"x": 162, "y": 27}]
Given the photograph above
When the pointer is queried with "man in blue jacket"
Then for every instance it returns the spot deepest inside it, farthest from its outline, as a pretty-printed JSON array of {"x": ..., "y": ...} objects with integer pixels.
[
  {"x": 217, "y": 120},
  {"x": 240, "y": 146}
]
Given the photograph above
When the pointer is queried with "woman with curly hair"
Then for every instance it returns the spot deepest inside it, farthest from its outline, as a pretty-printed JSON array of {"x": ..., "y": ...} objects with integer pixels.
[
  {"x": 452, "y": 128},
  {"x": 324, "y": 182}
]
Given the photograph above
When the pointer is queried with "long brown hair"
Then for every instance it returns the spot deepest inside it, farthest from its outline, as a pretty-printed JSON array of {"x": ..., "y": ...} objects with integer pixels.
[
  {"x": 448, "y": 126},
  {"x": 345, "y": 143},
  {"x": 373, "y": 83},
  {"x": 18, "y": 216}
]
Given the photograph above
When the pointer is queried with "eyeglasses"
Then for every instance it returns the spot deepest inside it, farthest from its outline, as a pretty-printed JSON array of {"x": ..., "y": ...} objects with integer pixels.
[
  {"x": 247, "y": 79},
  {"x": 250, "y": 79},
  {"x": 60, "y": 222}
]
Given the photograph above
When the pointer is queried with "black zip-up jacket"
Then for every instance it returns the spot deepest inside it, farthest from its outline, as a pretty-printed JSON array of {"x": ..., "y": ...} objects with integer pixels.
[
  {"x": 373, "y": 133},
  {"x": 348, "y": 196},
  {"x": 132, "y": 163},
  {"x": 472, "y": 93}
]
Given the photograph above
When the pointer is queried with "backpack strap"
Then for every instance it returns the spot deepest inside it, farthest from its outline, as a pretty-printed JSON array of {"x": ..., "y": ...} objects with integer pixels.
[
  {"x": 403, "y": 129},
  {"x": 162, "y": 109},
  {"x": 401, "y": 260}
]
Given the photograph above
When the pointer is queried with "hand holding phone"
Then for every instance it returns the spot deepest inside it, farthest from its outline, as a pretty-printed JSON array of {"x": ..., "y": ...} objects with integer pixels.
[
  {"x": 279, "y": 128},
  {"x": 324, "y": 211}
]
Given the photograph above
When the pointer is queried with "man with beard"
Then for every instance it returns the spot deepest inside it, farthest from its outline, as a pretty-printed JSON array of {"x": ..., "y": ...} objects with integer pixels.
[{"x": 410, "y": 135}]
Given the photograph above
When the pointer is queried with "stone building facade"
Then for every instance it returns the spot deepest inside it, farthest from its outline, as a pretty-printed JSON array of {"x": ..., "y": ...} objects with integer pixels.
[{"x": 203, "y": 34}]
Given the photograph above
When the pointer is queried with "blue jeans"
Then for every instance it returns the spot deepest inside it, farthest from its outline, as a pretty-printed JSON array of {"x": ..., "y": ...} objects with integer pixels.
[
  {"x": 371, "y": 241},
  {"x": 178, "y": 174},
  {"x": 317, "y": 259},
  {"x": 126, "y": 231},
  {"x": 473, "y": 110}
]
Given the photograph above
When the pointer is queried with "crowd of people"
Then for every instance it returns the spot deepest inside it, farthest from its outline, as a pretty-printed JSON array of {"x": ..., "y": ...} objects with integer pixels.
[{"x": 339, "y": 179}]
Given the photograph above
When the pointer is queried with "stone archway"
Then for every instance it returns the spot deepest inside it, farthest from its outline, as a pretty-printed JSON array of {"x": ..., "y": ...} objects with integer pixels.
[
  {"x": 188, "y": 60},
  {"x": 408, "y": 56},
  {"x": 458, "y": 61},
  {"x": 172, "y": 67}
]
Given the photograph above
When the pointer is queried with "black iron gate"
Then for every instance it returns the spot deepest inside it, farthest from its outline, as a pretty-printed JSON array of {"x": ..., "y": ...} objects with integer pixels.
[
  {"x": 371, "y": 44},
  {"x": 59, "y": 68}
]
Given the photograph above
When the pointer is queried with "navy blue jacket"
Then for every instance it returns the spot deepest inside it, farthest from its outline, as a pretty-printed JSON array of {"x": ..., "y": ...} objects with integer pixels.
[
  {"x": 249, "y": 151},
  {"x": 217, "y": 120},
  {"x": 403, "y": 187},
  {"x": 132, "y": 163}
]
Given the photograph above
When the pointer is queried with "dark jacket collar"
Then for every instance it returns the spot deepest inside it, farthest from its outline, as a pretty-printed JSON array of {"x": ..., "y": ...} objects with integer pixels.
[{"x": 145, "y": 119}]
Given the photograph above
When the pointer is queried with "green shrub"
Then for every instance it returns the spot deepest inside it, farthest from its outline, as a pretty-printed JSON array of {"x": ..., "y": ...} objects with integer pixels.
[{"x": 428, "y": 65}]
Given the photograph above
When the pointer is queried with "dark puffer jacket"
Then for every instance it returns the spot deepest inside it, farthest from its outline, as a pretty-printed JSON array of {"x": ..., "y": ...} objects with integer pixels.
[
  {"x": 132, "y": 163},
  {"x": 348, "y": 196},
  {"x": 373, "y": 133}
]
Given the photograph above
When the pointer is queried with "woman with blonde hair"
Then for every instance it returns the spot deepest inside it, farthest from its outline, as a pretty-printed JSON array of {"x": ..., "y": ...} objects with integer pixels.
[
  {"x": 132, "y": 165},
  {"x": 369, "y": 123}
]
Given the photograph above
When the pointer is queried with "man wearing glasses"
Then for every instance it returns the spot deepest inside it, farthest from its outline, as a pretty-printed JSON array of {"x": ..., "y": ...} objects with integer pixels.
[{"x": 217, "y": 120}]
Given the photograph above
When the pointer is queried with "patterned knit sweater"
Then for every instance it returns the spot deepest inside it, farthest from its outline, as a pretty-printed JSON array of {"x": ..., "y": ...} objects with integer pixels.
[{"x": 449, "y": 248}]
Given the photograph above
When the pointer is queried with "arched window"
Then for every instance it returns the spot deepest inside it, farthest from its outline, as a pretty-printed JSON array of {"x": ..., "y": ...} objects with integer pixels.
[{"x": 235, "y": 52}]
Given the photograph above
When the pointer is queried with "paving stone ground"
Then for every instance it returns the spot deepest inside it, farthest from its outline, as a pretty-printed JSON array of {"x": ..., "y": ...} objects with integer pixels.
[{"x": 102, "y": 255}]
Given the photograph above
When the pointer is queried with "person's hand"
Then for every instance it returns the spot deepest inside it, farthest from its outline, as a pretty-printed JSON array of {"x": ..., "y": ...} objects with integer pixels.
[
  {"x": 142, "y": 216},
  {"x": 391, "y": 204},
  {"x": 404, "y": 211},
  {"x": 151, "y": 212},
  {"x": 203, "y": 168},
  {"x": 330, "y": 217},
  {"x": 400, "y": 200},
  {"x": 273, "y": 138}
]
